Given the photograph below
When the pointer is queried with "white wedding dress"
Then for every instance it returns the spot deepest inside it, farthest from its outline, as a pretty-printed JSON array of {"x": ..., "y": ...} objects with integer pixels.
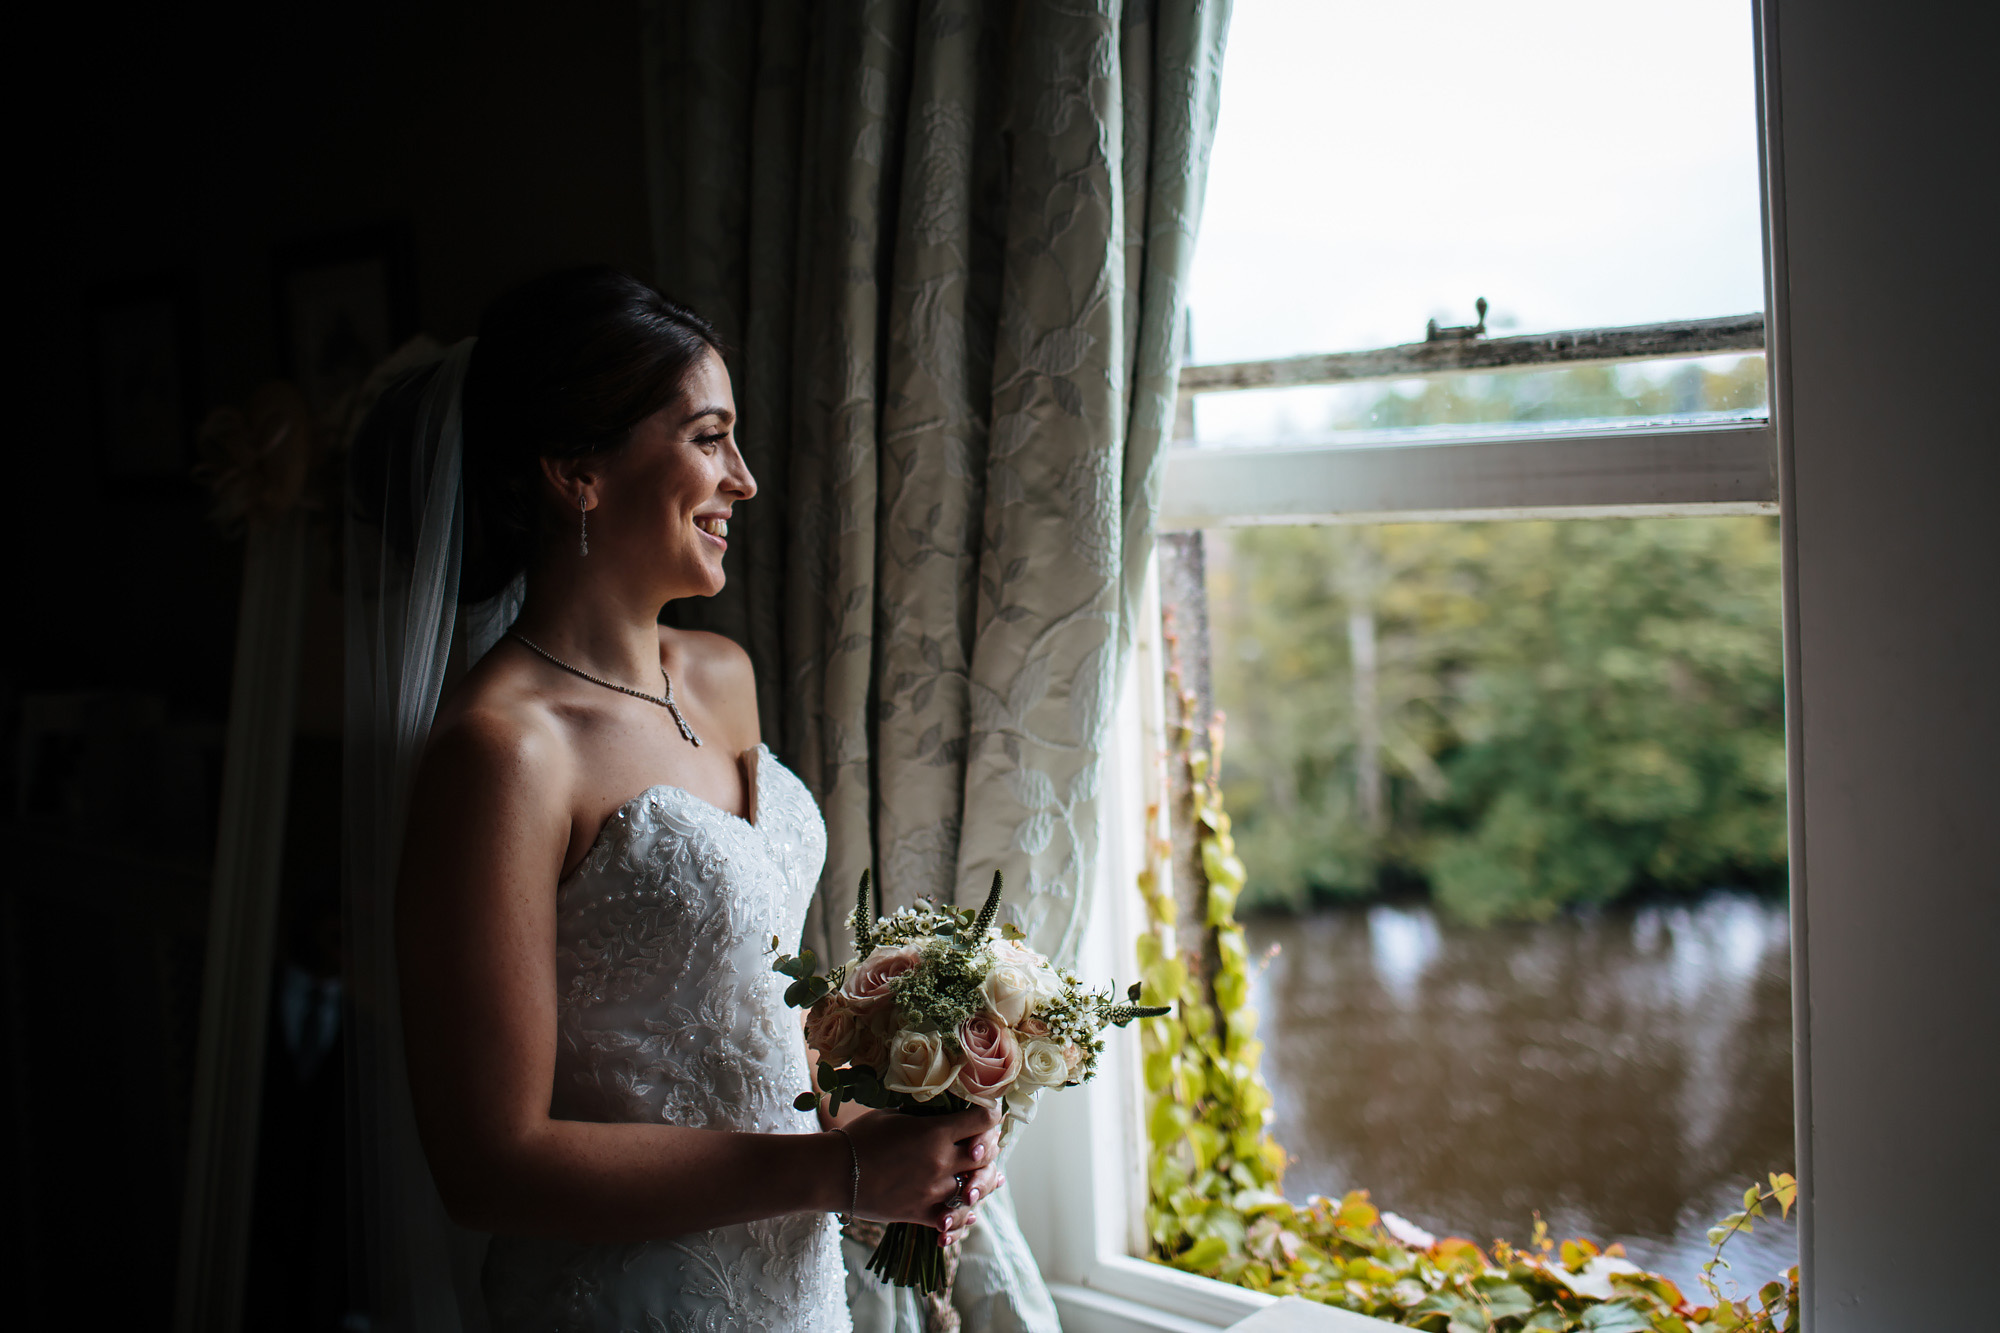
[{"x": 669, "y": 1013}]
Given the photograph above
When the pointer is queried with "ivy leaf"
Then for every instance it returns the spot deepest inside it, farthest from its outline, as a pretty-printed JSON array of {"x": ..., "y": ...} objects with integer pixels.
[
  {"x": 1786, "y": 1190},
  {"x": 1204, "y": 1253},
  {"x": 1504, "y": 1300},
  {"x": 1616, "y": 1317},
  {"x": 1132, "y": 991},
  {"x": 1010, "y": 931}
]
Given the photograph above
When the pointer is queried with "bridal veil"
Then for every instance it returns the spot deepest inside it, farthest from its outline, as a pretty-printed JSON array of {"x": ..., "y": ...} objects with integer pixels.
[{"x": 416, "y": 1272}]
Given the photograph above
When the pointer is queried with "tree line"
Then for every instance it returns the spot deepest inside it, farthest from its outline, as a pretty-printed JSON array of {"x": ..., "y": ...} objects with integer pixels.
[{"x": 1516, "y": 716}]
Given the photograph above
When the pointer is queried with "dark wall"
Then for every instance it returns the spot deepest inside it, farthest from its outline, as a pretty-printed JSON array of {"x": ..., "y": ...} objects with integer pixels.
[
  {"x": 504, "y": 139},
  {"x": 507, "y": 137}
]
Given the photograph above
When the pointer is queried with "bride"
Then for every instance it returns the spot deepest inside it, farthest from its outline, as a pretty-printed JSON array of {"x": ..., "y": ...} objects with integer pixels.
[{"x": 598, "y": 853}]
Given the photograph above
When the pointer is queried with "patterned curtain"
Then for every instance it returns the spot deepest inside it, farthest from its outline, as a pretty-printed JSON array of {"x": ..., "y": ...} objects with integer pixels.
[{"x": 947, "y": 240}]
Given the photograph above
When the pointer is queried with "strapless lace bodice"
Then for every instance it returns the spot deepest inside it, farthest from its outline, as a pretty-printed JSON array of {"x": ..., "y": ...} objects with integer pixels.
[{"x": 669, "y": 1013}]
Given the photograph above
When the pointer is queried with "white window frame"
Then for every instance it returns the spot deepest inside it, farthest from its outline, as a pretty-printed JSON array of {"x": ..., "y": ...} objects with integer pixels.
[
  {"x": 1085, "y": 1240},
  {"x": 1600, "y": 469}
]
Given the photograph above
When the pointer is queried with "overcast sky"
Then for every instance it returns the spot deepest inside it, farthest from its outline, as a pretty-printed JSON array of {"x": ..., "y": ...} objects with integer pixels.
[{"x": 1577, "y": 162}]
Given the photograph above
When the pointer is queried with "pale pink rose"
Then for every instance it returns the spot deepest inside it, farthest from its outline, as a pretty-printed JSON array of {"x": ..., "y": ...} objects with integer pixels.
[
  {"x": 834, "y": 1029},
  {"x": 871, "y": 1043},
  {"x": 870, "y": 987},
  {"x": 1031, "y": 1027},
  {"x": 1074, "y": 1054},
  {"x": 919, "y": 1065},
  {"x": 992, "y": 1060}
]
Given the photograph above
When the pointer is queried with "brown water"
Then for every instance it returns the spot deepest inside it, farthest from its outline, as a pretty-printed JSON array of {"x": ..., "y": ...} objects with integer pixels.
[{"x": 1627, "y": 1071}]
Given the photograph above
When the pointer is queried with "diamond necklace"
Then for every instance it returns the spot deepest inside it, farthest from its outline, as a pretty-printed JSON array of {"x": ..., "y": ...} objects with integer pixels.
[{"x": 665, "y": 701}]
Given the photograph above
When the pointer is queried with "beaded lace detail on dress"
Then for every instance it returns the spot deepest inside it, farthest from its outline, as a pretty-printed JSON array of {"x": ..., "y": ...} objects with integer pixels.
[{"x": 670, "y": 1014}]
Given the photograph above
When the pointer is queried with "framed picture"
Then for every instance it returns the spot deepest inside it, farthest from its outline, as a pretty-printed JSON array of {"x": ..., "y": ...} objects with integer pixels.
[
  {"x": 143, "y": 378},
  {"x": 345, "y": 301}
]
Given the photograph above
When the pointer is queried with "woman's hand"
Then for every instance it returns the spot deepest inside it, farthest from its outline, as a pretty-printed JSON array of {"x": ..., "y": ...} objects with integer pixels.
[{"x": 914, "y": 1166}]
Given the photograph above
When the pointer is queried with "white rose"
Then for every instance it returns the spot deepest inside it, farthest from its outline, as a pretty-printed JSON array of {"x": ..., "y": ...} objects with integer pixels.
[
  {"x": 1043, "y": 1064},
  {"x": 1047, "y": 985},
  {"x": 1009, "y": 990},
  {"x": 918, "y": 1065}
]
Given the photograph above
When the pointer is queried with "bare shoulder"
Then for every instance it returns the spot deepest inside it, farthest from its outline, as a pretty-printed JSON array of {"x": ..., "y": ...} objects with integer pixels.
[
  {"x": 716, "y": 672},
  {"x": 497, "y": 741}
]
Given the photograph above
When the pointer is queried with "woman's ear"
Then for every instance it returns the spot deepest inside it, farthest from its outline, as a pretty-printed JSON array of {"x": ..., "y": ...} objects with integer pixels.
[{"x": 573, "y": 480}]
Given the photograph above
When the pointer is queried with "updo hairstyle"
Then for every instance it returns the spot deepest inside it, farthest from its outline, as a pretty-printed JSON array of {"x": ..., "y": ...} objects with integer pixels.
[{"x": 565, "y": 367}]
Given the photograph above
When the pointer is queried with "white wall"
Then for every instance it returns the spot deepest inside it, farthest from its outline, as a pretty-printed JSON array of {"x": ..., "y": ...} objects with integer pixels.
[{"x": 1888, "y": 308}]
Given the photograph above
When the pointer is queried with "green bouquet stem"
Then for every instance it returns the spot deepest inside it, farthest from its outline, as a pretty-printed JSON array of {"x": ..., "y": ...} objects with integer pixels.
[{"x": 910, "y": 1256}]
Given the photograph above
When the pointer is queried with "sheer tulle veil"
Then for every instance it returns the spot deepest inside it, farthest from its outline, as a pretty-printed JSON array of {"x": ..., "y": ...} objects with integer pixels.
[{"x": 415, "y": 1272}]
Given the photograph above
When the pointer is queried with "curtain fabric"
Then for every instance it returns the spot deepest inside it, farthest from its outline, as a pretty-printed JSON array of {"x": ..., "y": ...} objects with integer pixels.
[{"x": 947, "y": 241}]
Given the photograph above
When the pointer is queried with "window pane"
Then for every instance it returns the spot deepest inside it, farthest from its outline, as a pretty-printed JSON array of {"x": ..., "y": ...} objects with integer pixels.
[
  {"x": 1580, "y": 165},
  {"x": 1511, "y": 798},
  {"x": 1696, "y": 391}
]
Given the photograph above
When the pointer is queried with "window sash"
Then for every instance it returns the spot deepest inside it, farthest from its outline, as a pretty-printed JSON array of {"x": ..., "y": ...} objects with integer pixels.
[
  {"x": 1585, "y": 473},
  {"x": 1457, "y": 351},
  {"x": 1597, "y": 469}
]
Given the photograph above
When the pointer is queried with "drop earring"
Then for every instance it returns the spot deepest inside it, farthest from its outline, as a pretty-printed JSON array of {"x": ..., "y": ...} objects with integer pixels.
[{"x": 583, "y": 524}]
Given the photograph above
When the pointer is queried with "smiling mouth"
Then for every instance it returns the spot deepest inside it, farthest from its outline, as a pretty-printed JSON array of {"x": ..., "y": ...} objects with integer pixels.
[{"x": 714, "y": 527}]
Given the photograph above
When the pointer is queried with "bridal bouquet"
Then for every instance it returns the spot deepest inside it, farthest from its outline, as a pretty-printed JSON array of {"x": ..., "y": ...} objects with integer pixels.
[{"x": 937, "y": 1012}]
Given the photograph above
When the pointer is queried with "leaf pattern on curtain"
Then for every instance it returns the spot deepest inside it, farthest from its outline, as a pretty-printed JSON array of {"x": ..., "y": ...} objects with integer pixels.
[{"x": 947, "y": 241}]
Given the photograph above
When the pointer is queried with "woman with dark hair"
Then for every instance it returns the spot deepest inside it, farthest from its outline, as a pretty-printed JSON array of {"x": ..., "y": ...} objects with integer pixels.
[{"x": 598, "y": 853}]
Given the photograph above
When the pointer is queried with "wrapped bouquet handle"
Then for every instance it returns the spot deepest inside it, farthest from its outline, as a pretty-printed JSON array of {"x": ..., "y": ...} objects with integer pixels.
[{"x": 939, "y": 1011}]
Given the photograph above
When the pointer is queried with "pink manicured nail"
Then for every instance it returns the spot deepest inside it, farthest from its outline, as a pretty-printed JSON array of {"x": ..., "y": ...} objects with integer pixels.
[{"x": 978, "y": 1151}]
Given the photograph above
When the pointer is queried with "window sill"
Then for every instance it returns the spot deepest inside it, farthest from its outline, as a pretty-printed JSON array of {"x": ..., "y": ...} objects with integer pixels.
[{"x": 1125, "y": 1295}]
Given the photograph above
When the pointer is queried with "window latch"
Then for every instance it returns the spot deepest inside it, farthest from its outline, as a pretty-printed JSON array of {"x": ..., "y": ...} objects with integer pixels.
[{"x": 1458, "y": 332}]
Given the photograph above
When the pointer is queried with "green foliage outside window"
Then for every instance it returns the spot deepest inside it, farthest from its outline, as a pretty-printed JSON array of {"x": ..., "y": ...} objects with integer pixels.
[
  {"x": 1215, "y": 1205},
  {"x": 1518, "y": 715},
  {"x": 1215, "y": 1173}
]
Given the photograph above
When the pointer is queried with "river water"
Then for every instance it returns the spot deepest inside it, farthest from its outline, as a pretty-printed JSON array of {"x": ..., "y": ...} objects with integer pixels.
[{"x": 1624, "y": 1071}]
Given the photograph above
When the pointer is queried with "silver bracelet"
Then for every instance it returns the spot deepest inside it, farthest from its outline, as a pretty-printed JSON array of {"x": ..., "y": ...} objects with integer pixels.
[{"x": 855, "y": 1203}]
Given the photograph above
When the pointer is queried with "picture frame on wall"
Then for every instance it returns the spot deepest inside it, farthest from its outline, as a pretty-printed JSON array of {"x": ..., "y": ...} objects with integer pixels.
[
  {"x": 345, "y": 301},
  {"x": 143, "y": 379}
]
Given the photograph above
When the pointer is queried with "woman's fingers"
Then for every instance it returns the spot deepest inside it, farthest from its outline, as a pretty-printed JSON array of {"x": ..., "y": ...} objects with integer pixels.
[
  {"x": 953, "y": 1222},
  {"x": 980, "y": 1149},
  {"x": 964, "y": 1126}
]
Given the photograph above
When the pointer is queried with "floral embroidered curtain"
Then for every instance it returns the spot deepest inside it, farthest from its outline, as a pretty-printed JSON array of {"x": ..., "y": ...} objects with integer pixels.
[{"x": 948, "y": 241}]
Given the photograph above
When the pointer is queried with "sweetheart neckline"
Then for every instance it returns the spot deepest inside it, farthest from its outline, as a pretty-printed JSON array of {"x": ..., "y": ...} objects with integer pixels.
[{"x": 763, "y": 753}]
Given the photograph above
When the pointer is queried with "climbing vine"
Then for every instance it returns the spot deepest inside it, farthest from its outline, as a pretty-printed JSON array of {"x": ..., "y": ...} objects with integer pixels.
[{"x": 1215, "y": 1201}]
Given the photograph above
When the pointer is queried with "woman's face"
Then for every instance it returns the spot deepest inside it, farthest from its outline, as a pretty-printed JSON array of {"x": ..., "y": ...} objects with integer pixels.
[{"x": 663, "y": 502}]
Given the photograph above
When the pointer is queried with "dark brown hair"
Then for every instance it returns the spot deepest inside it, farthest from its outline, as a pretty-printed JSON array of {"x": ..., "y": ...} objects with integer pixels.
[{"x": 565, "y": 367}]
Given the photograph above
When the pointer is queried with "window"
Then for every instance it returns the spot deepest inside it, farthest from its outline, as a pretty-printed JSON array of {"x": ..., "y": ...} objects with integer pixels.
[
  {"x": 1589, "y": 174},
  {"x": 1589, "y": 170}
]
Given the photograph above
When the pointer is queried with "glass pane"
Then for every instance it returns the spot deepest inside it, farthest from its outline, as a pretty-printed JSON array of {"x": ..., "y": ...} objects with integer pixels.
[
  {"x": 1579, "y": 164},
  {"x": 1694, "y": 391},
  {"x": 1511, "y": 798}
]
